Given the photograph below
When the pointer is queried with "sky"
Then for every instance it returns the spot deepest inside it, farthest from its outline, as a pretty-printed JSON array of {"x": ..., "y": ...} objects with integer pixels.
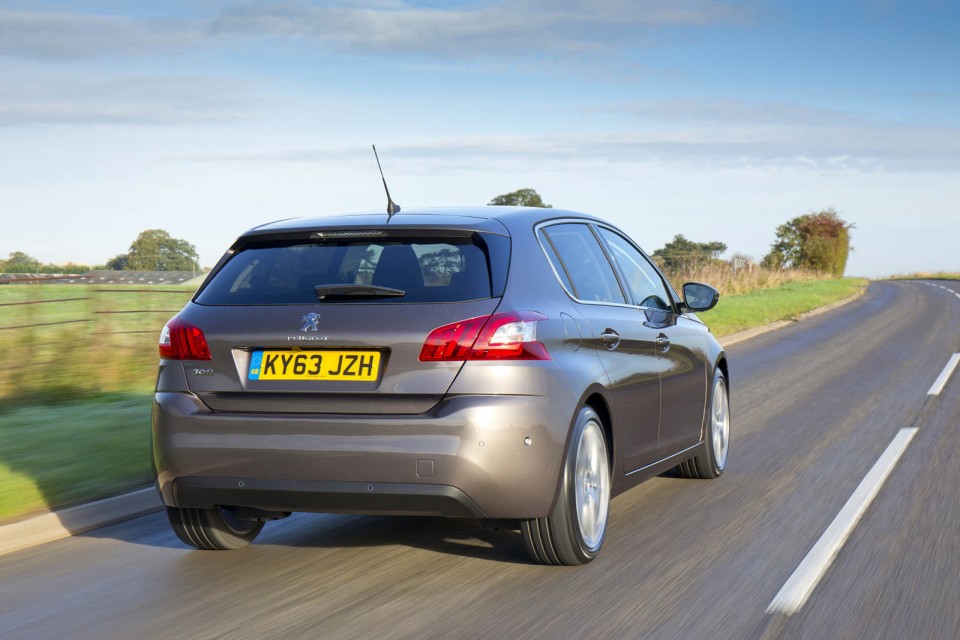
[{"x": 716, "y": 120}]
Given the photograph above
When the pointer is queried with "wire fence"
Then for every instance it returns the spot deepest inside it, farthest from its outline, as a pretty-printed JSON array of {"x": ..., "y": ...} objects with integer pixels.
[{"x": 65, "y": 341}]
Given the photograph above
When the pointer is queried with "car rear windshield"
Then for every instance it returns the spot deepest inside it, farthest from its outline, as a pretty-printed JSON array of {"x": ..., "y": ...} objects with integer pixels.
[{"x": 427, "y": 269}]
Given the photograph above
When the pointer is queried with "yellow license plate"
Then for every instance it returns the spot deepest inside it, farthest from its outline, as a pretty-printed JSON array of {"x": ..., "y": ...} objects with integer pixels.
[{"x": 358, "y": 366}]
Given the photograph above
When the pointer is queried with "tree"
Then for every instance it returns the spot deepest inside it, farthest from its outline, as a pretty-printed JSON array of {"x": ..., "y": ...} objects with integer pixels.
[
  {"x": 156, "y": 250},
  {"x": 520, "y": 198},
  {"x": 118, "y": 263},
  {"x": 19, "y": 262},
  {"x": 681, "y": 253},
  {"x": 817, "y": 241}
]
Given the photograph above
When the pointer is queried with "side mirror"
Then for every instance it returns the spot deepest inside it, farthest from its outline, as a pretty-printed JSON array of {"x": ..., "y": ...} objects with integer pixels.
[{"x": 699, "y": 297}]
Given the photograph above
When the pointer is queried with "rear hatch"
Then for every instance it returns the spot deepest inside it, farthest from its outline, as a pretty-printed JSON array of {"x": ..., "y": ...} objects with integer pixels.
[{"x": 334, "y": 321}]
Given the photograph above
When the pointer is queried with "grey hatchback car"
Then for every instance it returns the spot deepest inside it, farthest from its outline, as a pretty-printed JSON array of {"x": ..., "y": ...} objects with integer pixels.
[{"x": 503, "y": 363}]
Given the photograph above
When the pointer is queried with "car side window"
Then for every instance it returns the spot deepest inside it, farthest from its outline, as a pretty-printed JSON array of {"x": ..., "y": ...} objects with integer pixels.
[
  {"x": 584, "y": 262},
  {"x": 644, "y": 284}
]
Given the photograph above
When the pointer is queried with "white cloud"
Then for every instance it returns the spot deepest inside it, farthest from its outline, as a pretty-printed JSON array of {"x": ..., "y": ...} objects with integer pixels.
[
  {"x": 738, "y": 111},
  {"x": 498, "y": 29},
  {"x": 140, "y": 100},
  {"x": 71, "y": 36},
  {"x": 784, "y": 132},
  {"x": 501, "y": 29},
  {"x": 860, "y": 145}
]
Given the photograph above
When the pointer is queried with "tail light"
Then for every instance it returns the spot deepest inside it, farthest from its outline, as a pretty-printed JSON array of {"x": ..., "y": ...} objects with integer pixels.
[
  {"x": 452, "y": 341},
  {"x": 180, "y": 340},
  {"x": 502, "y": 336}
]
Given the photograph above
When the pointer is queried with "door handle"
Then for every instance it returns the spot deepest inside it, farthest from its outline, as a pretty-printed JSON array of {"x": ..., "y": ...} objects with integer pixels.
[
  {"x": 663, "y": 343},
  {"x": 610, "y": 338}
]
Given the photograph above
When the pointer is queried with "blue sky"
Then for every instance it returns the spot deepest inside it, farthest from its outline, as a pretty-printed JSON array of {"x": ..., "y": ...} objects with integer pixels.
[{"x": 718, "y": 120}]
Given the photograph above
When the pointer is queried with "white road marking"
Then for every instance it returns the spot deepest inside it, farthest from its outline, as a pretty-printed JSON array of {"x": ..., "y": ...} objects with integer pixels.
[
  {"x": 801, "y": 583},
  {"x": 941, "y": 380}
]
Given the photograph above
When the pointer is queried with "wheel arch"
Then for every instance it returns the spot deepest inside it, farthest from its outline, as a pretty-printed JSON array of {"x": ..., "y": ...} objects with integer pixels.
[
  {"x": 722, "y": 365},
  {"x": 598, "y": 403},
  {"x": 595, "y": 398}
]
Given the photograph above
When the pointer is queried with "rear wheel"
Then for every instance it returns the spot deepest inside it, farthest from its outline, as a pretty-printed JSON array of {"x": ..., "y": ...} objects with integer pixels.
[
  {"x": 712, "y": 459},
  {"x": 574, "y": 532},
  {"x": 212, "y": 529}
]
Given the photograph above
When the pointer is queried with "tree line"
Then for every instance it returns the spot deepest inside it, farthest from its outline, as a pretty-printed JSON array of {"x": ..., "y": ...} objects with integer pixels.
[
  {"x": 152, "y": 250},
  {"x": 818, "y": 241}
]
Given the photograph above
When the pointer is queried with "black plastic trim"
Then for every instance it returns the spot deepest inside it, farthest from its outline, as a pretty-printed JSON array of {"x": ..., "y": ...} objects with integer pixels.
[{"x": 384, "y": 498}]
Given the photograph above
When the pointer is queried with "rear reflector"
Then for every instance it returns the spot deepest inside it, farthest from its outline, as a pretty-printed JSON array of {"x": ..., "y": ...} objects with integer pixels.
[
  {"x": 180, "y": 340},
  {"x": 502, "y": 336}
]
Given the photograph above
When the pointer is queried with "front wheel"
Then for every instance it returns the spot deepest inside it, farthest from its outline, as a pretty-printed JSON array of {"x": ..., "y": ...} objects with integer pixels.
[
  {"x": 574, "y": 532},
  {"x": 212, "y": 529},
  {"x": 712, "y": 459}
]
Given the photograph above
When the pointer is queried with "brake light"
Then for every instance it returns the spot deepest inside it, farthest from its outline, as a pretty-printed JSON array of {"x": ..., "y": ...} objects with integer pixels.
[
  {"x": 503, "y": 336},
  {"x": 451, "y": 341},
  {"x": 180, "y": 340}
]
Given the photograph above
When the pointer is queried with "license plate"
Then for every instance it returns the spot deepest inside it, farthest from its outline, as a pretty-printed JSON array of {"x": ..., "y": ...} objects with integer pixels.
[{"x": 358, "y": 366}]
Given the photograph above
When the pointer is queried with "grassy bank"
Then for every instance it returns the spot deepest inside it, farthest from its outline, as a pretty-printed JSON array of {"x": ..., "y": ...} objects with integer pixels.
[
  {"x": 744, "y": 311},
  {"x": 75, "y": 405},
  {"x": 80, "y": 362},
  {"x": 61, "y": 454},
  {"x": 738, "y": 281}
]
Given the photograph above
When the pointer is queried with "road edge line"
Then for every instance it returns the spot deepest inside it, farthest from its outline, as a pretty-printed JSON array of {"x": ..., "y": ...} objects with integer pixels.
[
  {"x": 801, "y": 583},
  {"x": 944, "y": 376}
]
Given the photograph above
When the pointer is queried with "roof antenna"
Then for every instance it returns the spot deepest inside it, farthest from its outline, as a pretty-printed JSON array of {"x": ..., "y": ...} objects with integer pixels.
[{"x": 392, "y": 207}]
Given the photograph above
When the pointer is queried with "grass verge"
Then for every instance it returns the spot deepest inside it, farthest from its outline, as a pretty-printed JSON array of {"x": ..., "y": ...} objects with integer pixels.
[
  {"x": 57, "y": 455},
  {"x": 786, "y": 302}
]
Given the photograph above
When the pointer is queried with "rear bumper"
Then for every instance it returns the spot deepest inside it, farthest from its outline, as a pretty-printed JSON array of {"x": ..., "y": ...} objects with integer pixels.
[{"x": 464, "y": 458}]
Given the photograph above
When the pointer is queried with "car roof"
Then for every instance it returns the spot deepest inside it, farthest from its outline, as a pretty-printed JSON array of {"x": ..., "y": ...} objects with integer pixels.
[{"x": 494, "y": 219}]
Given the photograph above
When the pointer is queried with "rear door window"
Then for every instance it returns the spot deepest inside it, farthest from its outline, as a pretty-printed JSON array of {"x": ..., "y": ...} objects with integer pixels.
[
  {"x": 428, "y": 269},
  {"x": 582, "y": 262}
]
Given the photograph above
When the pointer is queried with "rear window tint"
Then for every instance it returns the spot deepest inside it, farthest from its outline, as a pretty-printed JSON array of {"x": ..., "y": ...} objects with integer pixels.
[
  {"x": 431, "y": 269},
  {"x": 584, "y": 262}
]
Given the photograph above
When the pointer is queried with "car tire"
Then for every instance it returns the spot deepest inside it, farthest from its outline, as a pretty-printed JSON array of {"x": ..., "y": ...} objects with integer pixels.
[
  {"x": 712, "y": 459},
  {"x": 574, "y": 532},
  {"x": 213, "y": 529}
]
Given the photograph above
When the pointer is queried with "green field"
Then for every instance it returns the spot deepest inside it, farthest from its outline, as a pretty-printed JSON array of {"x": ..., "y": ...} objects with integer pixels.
[
  {"x": 64, "y": 342},
  {"x": 75, "y": 402}
]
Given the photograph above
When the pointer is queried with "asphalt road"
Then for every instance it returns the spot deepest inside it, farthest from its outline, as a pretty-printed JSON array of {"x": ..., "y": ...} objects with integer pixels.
[{"x": 815, "y": 405}]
